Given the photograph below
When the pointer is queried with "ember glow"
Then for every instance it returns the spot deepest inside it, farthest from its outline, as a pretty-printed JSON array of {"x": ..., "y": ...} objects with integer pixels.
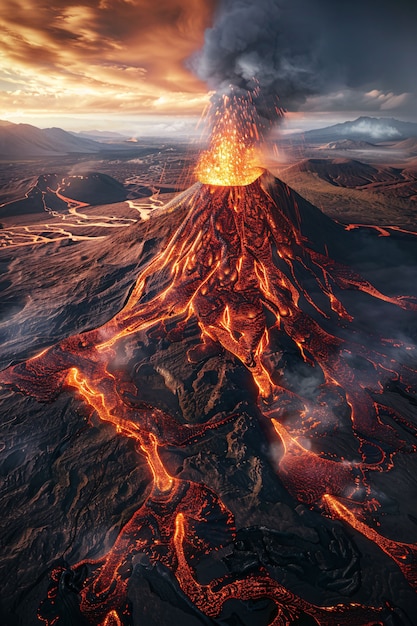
[
  {"x": 240, "y": 267},
  {"x": 233, "y": 156}
]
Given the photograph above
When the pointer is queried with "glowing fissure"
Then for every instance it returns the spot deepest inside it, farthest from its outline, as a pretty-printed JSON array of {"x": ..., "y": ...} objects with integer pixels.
[
  {"x": 404, "y": 554},
  {"x": 237, "y": 265},
  {"x": 211, "y": 598}
]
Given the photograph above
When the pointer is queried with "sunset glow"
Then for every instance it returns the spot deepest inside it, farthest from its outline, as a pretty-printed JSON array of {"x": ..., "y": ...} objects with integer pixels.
[
  {"x": 82, "y": 65},
  {"x": 70, "y": 60}
]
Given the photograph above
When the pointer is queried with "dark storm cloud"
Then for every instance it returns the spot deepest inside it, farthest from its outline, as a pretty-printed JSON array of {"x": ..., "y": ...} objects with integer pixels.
[{"x": 299, "y": 48}]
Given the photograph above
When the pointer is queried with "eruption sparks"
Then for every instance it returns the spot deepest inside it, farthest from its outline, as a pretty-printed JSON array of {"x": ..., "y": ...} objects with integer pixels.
[
  {"x": 233, "y": 156},
  {"x": 240, "y": 266}
]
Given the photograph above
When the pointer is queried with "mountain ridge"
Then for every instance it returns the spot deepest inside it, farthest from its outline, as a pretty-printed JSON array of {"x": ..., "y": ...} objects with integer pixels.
[
  {"x": 369, "y": 129},
  {"x": 21, "y": 141},
  {"x": 24, "y": 140}
]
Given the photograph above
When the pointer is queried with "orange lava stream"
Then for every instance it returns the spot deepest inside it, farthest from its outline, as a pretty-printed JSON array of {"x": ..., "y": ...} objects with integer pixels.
[
  {"x": 211, "y": 598},
  {"x": 308, "y": 476},
  {"x": 404, "y": 554},
  {"x": 112, "y": 619}
]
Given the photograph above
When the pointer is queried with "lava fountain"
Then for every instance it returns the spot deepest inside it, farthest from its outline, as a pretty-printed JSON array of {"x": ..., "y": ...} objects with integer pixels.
[
  {"x": 240, "y": 266},
  {"x": 233, "y": 156}
]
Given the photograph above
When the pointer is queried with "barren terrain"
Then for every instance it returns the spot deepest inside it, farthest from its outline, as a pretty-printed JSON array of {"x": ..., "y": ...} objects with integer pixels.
[{"x": 69, "y": 258}]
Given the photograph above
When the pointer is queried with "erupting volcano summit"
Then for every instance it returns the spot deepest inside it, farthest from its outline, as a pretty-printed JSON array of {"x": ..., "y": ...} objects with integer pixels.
[{"x": 248, "y": 275}]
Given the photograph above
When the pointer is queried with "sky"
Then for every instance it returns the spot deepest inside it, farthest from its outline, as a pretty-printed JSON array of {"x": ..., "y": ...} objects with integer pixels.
[{"x": 150, "y": 66}]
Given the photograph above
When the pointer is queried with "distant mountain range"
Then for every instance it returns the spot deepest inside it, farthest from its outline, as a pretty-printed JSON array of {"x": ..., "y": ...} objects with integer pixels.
[
  {"x": 21, "y": 141},
  {"x": 102, "y": 136},
  {"x": 369, "y": 129}
]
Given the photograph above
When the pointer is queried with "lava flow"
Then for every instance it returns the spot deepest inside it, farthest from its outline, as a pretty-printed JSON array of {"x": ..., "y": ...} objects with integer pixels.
[{"x": 241, "y": 267}]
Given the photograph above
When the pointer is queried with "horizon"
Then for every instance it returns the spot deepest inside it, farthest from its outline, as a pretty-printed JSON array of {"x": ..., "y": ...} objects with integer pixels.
[
  {"x": 179, "y": 127},
  {"x": 141, "y": 68}
]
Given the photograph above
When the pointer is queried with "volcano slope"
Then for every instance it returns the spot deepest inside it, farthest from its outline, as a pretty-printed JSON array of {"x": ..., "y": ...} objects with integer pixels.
[{"x": 236, "y": 445}]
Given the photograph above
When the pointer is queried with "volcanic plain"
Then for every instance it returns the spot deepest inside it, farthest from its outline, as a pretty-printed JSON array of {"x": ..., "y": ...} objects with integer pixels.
[{"x": 76, "y": 231}]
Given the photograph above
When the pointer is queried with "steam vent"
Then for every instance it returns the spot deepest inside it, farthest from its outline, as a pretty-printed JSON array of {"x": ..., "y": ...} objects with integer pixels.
[{"x": 243, "y": 427}]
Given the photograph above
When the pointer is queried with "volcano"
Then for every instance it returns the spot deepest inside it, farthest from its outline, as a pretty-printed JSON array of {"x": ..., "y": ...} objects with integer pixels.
[{"x": 243, "y": 381}]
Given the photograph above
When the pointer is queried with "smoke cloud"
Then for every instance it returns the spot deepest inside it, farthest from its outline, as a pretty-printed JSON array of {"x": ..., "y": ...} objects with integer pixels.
[
  {"x": 295, "y": 49},
  {"x": 252, "y": 44},
  {"x": 376, "y": 131}
]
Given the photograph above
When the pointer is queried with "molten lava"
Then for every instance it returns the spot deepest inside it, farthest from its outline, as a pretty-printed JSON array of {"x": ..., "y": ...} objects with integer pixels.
[
  {"x": 239, "y": 266},
  {"x": 233, "y": 157}
]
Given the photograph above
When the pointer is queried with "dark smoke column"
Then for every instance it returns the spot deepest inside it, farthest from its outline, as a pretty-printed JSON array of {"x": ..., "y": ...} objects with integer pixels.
[
  {"x": 356, "y": 55},
  {"x": 263, "y": 45}
]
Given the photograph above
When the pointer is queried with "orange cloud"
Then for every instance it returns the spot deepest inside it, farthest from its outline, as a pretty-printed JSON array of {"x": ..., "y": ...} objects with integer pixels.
[{"x": 109, "y": 55}]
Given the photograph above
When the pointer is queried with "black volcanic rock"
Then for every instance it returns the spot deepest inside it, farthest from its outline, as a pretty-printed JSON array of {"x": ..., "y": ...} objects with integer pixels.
[{"x": 28, "y": 201}]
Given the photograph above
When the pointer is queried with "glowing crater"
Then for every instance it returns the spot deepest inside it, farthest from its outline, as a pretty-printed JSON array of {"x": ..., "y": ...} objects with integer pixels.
[
  {"x": 233, "y": 157},
  {"x": 229, "y": 164}
]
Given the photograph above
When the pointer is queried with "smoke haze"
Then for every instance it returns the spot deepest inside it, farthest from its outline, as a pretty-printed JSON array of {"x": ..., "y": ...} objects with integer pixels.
[{"x": 298, "y": 49}]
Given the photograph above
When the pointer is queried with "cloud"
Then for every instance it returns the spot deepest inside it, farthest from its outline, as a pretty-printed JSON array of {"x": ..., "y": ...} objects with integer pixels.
[
  {"x": 143, "y": 56},
  {"x": 373, "y": 101},
  {"x": 375, "y": 130},
  {"x": 110, "y": 54},
  {"x": 298, "y": 51}
]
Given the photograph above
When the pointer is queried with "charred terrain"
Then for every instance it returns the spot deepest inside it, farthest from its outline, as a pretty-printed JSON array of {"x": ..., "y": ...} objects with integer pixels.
[{"x": 208, "y": 394}]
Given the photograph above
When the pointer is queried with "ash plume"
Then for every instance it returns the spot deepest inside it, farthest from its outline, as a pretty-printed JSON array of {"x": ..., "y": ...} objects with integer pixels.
[
  {"x": 251, "y": 45},
  {"x": 296, "y": 49}
]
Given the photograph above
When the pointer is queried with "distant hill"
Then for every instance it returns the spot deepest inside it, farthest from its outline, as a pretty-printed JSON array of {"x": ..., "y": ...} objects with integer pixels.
[
  {"x": 409, "y": 145},
  {"x": 56, "y": 193},
  {"x": 102, "y": 136},
  {"x": 20, "y": 141},
  {"x": 346, "y": 172},
  {"x": 369, "y": 129},
  {"x": 349, "y": 144}
]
